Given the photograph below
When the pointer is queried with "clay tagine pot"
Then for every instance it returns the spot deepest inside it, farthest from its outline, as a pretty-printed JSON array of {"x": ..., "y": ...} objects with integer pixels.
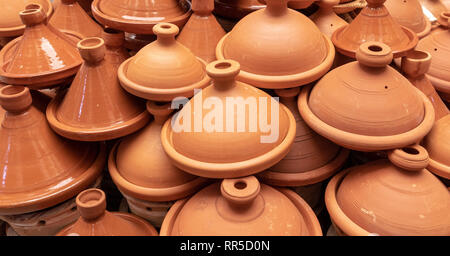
[
  {"x": 390, "y": 199},
  {"x": 221, "y": 150},
  {"x": 43, "y": 57},
  {"x": 139, "y": 16},
  {"x": 409, "y": 14},
  {"x": 115, "y": 46},
  {"x": 95, "y": 220},
  {"x": 374, "y": 23},
  {"x": 85, "y": 4},
  {"x": 164, "y": 69},
  {"x": 202, "y": 32},
  {"x": 70, "y": 16},
  {"x": 326, "y": 19},
  {"x": 241, "y": 207},
  {"x": 290, "y": 50},
  {"x": 40, "y": 169},
  {"x": 95, "y": 107},
  {"x": 367, "y": 105}
]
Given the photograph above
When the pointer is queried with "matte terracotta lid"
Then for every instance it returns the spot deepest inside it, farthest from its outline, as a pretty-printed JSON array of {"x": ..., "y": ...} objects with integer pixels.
[
  {"x": 277, "y": 47},
  {"x": 39, "y": 168},
  {"x": 241, "y": 207},
  {"x": 139, "y": 16},
  {"x": 95, "y": 220},
  {"x": 239, "y": 144},
  {"x": 437, "y": 142},
  {"x": 383, "y": 198},
  {"x": 163, "y": 69},
  {"x": 43, "y": 57},
  {"x": 374, "y": 23},
  {"x": 409, "y": 14},
  {"x": 140, "y": 168},
  {"x": 367, "y": 105},
  {"x": 326, "y": 19},
  {"x": 10, "y": 22}
]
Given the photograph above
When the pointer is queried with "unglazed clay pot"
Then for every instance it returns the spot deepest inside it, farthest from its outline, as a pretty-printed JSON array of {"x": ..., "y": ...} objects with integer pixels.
[
  {"x": 374, "y": 23},
  {"x": 164, "y": 69},
  {"x": 202, "y": 138},
  {"x": 241, "y": 207},
  {"x": 367, "y": 105},
  {"x": 39, "y": 168},
  {"x": 390, "y": 199},
  {"x": 290, "y": 50},
  {"x": 95, "y": 220},
  {"x": 436, "y": 7},
  {"x": 437, "y": 143},
  {"x": 202, "y": 32},
  {"x": 95, "y": 107},
  {"x": 326, "y": 19},
  {"x": 70, "y": 16},
  {"x": 43, "y": 57},
  {"x": 409, "y": 14},
  {"x": 139, "y": 16}
]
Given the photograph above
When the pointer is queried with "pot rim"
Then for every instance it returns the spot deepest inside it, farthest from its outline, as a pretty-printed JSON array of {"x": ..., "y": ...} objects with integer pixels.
[
  {"x": 439, "y": 169},
  {"x": 440, "y": 84},
  {"x": 426, "y": 30}
]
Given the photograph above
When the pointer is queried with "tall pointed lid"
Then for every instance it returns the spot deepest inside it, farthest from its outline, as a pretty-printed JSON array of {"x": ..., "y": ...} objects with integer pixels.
[{"x": 409, "y": 14}]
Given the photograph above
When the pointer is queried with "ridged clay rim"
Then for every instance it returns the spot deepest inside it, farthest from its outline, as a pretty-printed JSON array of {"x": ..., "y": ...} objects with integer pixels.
[{"x": 439, "y": 169}]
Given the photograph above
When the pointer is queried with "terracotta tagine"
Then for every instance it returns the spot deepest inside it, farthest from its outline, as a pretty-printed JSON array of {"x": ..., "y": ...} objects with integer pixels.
[
  {"x": 326, "y": 19},
  {"x": 367, "y": 105},
  {"x": 393, "y": 198},
  {"x": 139, "y": 16},
  {"x": 374, "y": 23},
  {"x": 409, "y": 14},
  {"x": 290, "y": 50},
  {"x": 39, "y": 168},
  {"x": 202, "y": 32},
  {"x": 436, "y": 7},
  {"x": 115, "y": 46},
  {"x": 163, "y": 69},
  {"x": 70, "y": 16},
  {"x": 95, "y": 107},
  {"x": 95, "y": 220},
  {"x": 239, "y": 144},
  {"x": 44, "y": 56},
  {"x": 241, "y": 207},
  {"x": 85, "y": 4}
]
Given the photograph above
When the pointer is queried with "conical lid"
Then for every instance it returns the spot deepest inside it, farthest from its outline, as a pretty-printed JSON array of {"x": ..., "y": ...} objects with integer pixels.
[
  {"x": 277, "y": 47},
  {"x": 95, "y": 220},
  {"x": 95, "y": 107},
  {"x": 10, "y": 22},
  {"x": 140, "y": 168},
  {"x": 236, "y": 9},
  {"x": 163, "y": 69},
  {"x": 39, "y": 168},
  {"x": 229, "y": 129},
  {"x": 43, "y": 56},
  {"x": 139, "y": 16},
  {"x": 409, "y": 14},
  {"x": 202, "y": 32},
  {"x": 387, "y": 199},
  {"x": 374, "y": 23},
  {"x": 367, "y": 105},
  {"x": 70, "y": 16},
  {"x": 115, "y": 46},
  {"x": 326, "y": 19},
  {"x": 241, "y": 207}
]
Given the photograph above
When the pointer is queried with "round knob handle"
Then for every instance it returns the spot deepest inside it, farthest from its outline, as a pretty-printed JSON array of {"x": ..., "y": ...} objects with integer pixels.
[
  {"x": 374, "y": 54},
  {"x": 276, "y": 7},
  {"x": 91, "y": 203},
  {"x": 444, "y": 19},
  {"x": 412, "y": 158},
  {"x": 416, "y": 63},
  {"x": 240, "y": 191},
  {"x": 223, "y": 72},
  {"x": 160, "y": 110},
  {"x": 33, "y": 14},
  {"x": 113, "y": 38},
  {"x": 165, "y": 32},
  {"x": 15, "y": 99},
  {"x": 92, "y": 49}
]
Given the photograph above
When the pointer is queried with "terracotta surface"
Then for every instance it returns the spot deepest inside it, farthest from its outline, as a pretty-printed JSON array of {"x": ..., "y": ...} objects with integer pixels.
[
  {"x": 349, "y": 6},
  {"x": 163, "y": 69},
  {"x": 135, "y": 42},
  {"x": 311, "y": 159},
  {"x": 374, "y": 23},
  {"x": 241, "y": 207},
  {"x": 437, "y": 142},
  {"x": 95, "y": 220},
  {"x": 70, "y": 16},
  {"x": 115, "y": 46},
  {"x": 39, "y": 168},
  {"x": 367, "y": 105},
  {"x": 236, "y": 9},
  {"x": 226, "y": 151},
  {"x": 85, "y": 4},
  {"x": 43, "y": 57},
  {"x": 290, "y": 50},
  {"x": 153, "y": 212},
  {"x": 326, "y": 19},
  {"x": 436, "y": 7},
  {"x": 409, "y": 14},
  {"x": 202, "y": 32},
  {"x": 418, "y": 203},
  {"x": 139, "y": 16}
]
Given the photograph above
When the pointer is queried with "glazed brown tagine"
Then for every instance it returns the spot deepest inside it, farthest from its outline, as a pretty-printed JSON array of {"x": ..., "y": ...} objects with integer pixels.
[
  {"x": 220, "y": 140},
  {"x": 115, "y": 46},
  {"x": 164, "y": 69},
  {"x": 283, "y": 48},
  {"x": 95, "y": 220},
  {"x": 374, "y": 23},
  {"x": 394, "y": 197},
  {"x": 39, "y": 168},
  {"x": 409, "y": 14},
  {"x": 366, "y": 105},
  {"x": 241, "y": 207},
  {"x": 326, "y": 19}
]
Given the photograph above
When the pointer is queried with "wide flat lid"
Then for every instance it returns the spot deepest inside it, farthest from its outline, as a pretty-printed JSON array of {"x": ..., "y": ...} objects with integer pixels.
[{"x": 437, "y": 143}]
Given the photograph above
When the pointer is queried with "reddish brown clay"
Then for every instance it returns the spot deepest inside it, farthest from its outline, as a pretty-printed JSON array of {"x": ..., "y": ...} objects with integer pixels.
[
  {"x": 243, "y": 207},
  {"x": 409, "y": 14},
  {"x": 135, "y": 42},
  {"x": 85, "y": 4},
  {"x": 95, "y": 220},
  {"x": 115, "y": 50},
  {"x": 326, "y": 19}
]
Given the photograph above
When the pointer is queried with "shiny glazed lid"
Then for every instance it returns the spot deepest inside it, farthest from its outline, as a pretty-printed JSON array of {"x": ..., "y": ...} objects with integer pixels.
[
  {"x": 409, "y": 14},
  {"x": 237, "y": 144},
  {"x": 241, "y": 207},
  {"x": 277, "y": 47},
  {"x": 367, "y": 105}
]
